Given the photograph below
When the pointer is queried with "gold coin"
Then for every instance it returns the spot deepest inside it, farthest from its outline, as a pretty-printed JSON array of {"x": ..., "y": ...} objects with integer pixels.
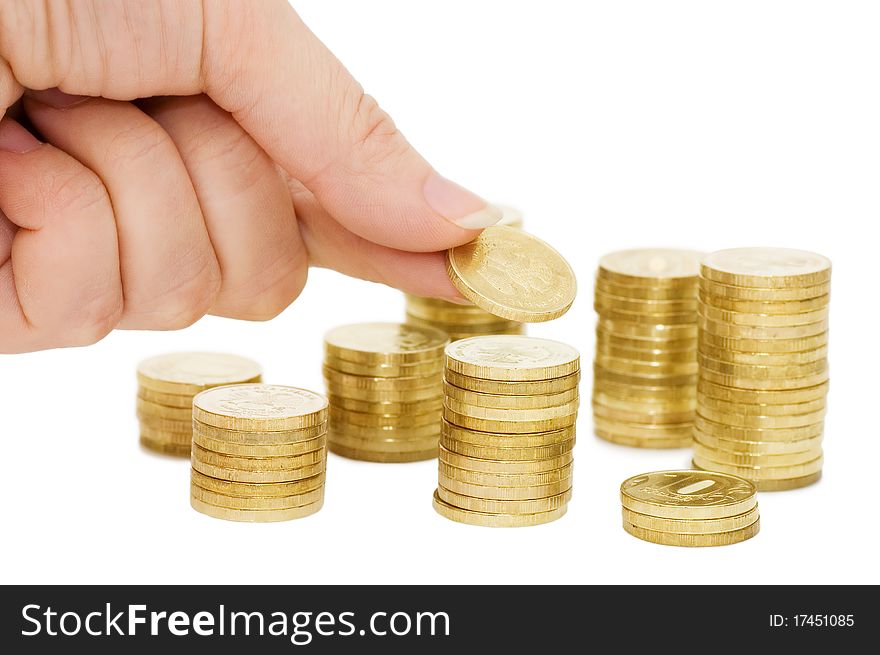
[
  {"x": 260, "y": 407},
  {"x": 491, "y": 505},
  {"x": 495, "y": 414},
  {"x": 759, "y": 447},
  {"x": 387, "y": 432},
  {"x": 724, "y": 431},
  {"x": 500, "y": 401},
  {"x": 759, "y": 294},
  {"x": 457, "y": 336},
  {"x": 383, "y": 457},
  {"x": 651, "y": 267},
  {"x": 512, "y": 274},
  {"x": 766, "y": 268},
  {"x": 153, "y": 434},
  {"x": 500, "y": 387},
  {"x": 756, "y": 421},
  {"x": 764, "y": 359},
  {"x": 183, "y": 401},
  {"x": 164, "y": 424},
  {"x": 392, "y": 371},
  {"x": 751, "y": 409},
  {"x": 774, "y": 384},
  {"x": 690, "y": 526},
  {"x": 750, "y": 460},
  {"x": 256, "y": 515},
  {"x": 498, "y": 453},
  {"x": 654, "y": 356},
  {"x": 764, "y": 346},
  {"x": 688, "y": 495},
  {"x": 165, "y": 447},
  {"x": 652, "y": 344},
  {"x": 343, "y": 417},
  {"x": 256, "y": 438},
  {"x": 238, "y": 475},
  {"x": 644, "y": 380},
  {"x": 271, "y": 503},
  {"x": 644, "y": 307},
  {"x": 614, "y": 315},
  {"x": 488, "y": 520},
  {"x": 643, "y": 406},
  {"x": 682, "y": 430},
  {"x": 784, "y": 307},
  {"x": 147, "y": 408},
  {"x": 258, "y": 490},
  {"x": 511, "y": 358},
  {"x": 278, "y": 463},
  {"x": 762, "y": 472},
  {"x": 646, "y": 393},
  {"x": 502, "y": 440},
  {"x": 763, "y": 333},
  {"x": 763, "y": 320},
  {"x": 387, "y": 408},
  {"x": 649, "y": 369},
  {"x": 190, "y": 373},
  {"x": 344, "y": 381},
  {"x": 504, "y": 479},
  {"x": 632, "y": 330},
  {"x": 694, "y": 540},
  {"x": 647, "y": 418},
  {"x": 454, "y": 314},
  {"x": 512, "y": 427},
  {"x": 754, "y": 371},
  {"x": 533, "y": 464},
  {"x": 259, "y": 450},
  {"x": 652, "y": 442},
  {"x": 762, "y": 397},
  {"x": 405, "y": 396},
  {"x": 647, "y": 292},
  {"x": 504, "y": 493},
  {"x": 387, "y": 445},
  {"x": 791, "y": 483},
  {"x": 393, "y": 343}
]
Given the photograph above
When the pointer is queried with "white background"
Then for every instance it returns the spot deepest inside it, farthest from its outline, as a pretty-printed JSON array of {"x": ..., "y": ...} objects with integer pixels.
[{"x": 612, "y": 125}]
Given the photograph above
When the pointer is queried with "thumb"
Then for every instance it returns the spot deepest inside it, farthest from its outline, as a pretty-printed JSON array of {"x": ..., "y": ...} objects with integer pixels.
[{"x": 258, "y": 61}]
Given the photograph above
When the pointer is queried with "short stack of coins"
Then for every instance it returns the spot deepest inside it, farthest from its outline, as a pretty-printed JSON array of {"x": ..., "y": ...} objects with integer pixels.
[
  {"x": 259, "y": 452},
  {"x": 458, "y": 320},
  {"x": 508, "y": 432},
  {"x": 645, "y": 371},
  {"x": 690, "y": 508},
  {"x": 763, "y": 357},
  {"x": 384, "y": 382},
  {"x": 167, "y": 385}
]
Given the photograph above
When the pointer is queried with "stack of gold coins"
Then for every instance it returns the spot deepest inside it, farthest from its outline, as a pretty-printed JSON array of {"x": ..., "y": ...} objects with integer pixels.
[
  {"x": 459, "y": 320},
  {"x": 644, "y": 390},
  {"x": 763, "y": 359},
  {"x": 508, "y": 431},
  {"x": 259, "y": 452},
  {"x": 384, "y": 381},
  {"x": 166, "y": 387},
  {"x": 690, "y": 508}
]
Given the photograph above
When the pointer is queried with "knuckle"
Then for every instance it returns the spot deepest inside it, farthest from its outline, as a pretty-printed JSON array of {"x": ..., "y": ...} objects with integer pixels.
[
  {"x": 271, "y": 295},
  {"x": 75, "y": 192},
  {"x": 188, "y": 296},
  {"x": 136, "y": 143},
  {"x": 98, "y": 317},
  {"x": 373, "y": 134}
]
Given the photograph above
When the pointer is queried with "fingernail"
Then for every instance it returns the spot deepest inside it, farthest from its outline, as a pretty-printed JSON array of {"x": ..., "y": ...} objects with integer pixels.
[
  {"x": 14, "y": 138},
  {"x": 458, "y": 205},
  {"x": 56, "y": 98}
]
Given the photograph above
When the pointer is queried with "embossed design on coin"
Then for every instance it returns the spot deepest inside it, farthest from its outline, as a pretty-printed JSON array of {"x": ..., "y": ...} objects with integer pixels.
[
  {"x": 260, "y": 401},
  {"x": 652, "y": 263},
  {"x": 388, "y": 338},
  {"x": 513, "y": 275},
  {"x": 199, "y": 369},
  {"x": 688, "y": 494},
  {"x": 511, "y": 357},
  {"x": 780, "y": 266}
]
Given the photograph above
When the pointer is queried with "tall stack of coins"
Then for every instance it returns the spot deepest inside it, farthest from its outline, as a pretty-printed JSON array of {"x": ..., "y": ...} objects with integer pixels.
[
  {"x": 508, "y": 431},
  {"x": 461, "y": 321},
  {"x": 166, "y": 387},
  {"x": 646, "y": 347},
  {"x": 763, "y": 359},
  {"x": 259, "y": 452},
  {"x": 690, "y": 508},
  {"x": 384, "y": 381}
]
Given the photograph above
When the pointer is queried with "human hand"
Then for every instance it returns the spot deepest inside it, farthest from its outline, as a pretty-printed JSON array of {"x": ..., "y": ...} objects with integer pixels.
[{"x": 148, "y": 215}]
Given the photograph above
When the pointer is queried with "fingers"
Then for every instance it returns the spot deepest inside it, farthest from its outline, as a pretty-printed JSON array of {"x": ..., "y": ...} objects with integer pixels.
[
  {"x": 332, "y": 246},
  {"x": 246, "y": 206},
  {"x": 170, "y": 276},
  {"x": 290, "y": 93},
  {"x": 59, "y": 266}
]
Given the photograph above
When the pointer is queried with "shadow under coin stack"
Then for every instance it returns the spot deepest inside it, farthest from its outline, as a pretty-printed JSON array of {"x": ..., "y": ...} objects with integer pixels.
[
  {"x": 384, "y": 384},
  {"x": 645, "y": 372},
  {"x": 166, "y": 387},
  {"x": 461, "y": 321},
  {"x": 259, "y": 453},
  {"x": 690, "y": 508},
  {"x": 763, "y": 359},
  {"x": 508, "y": 432}
]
